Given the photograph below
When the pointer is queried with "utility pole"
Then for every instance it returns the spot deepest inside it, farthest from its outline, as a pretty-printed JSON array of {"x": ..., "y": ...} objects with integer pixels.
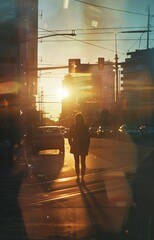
[
  {"x": 148, "y": 27},
  {"x": 116, "y": 82},
  {"x": 116, "y": 69}
]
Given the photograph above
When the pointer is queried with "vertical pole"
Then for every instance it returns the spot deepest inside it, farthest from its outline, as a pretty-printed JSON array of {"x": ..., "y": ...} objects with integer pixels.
[
  {"x": 148, "y": 27},
  {"x": 116, "y": 69},
  {"x": 116, "y": 81}
]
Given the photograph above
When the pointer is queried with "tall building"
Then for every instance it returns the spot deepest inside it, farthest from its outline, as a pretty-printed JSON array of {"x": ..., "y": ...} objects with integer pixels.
[
  {"x": 137, "y": 96},
  {"x": 18, "y": 53},
  {"x": 28, "y": 38}
]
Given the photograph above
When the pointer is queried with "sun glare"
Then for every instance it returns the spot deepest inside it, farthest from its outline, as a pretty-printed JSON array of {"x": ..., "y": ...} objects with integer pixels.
[{"x": 62, "y": 93}]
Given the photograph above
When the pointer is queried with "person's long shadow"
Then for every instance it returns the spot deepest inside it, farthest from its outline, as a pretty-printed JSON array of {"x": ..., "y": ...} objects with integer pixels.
[
  {"x": 97, "y": 214},
  {"x": 47, "y": 169},
  {"x": 11, "y": 221}
]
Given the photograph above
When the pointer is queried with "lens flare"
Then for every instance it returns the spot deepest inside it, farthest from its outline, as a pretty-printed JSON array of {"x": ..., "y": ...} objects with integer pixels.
[{"x": 62, "y": 93}]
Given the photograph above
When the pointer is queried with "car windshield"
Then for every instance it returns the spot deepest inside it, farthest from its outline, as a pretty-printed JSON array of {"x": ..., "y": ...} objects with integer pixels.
[
  {"x": 76, "y": 119},
  {"x": 51, "y": 130}
]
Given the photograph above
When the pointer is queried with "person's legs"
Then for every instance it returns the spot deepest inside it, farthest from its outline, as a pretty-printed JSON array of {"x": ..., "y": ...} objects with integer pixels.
[
  {"x": 76, "y": 157},
  {"x": 83, "y": 166}
]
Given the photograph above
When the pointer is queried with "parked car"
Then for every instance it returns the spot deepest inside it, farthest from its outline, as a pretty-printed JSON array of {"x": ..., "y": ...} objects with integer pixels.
[
  {"x": 93, "y": 131},
  {"x": 129, "y": 132},
  {"x": 147, "y": 131},
  {"x": 105, "y": 131},
  {"x": 48, "y": 137},
  {"x": 62, "y": 128},
  {"x": 66, "y": 132}
]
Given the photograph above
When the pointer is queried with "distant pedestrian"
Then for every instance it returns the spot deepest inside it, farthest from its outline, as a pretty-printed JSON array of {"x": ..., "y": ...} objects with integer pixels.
[{"x": 79, "y": 141}]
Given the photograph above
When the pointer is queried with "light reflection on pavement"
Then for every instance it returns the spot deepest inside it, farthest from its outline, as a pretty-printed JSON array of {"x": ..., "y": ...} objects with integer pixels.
[{"x": 102, "y": 203}]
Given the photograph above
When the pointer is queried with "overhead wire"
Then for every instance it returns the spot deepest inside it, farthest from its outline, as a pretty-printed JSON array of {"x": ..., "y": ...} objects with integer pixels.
[
  {"x": 78, "y": 40},
  {"x": 87, "y": 41},
  {"x": 135, "y": 42},
  {"x": 97, "y": 29},
  {"x": 92, "y": 44},
  {"x": 109, "y": 8},
  {"x": 96, "y": 40}
]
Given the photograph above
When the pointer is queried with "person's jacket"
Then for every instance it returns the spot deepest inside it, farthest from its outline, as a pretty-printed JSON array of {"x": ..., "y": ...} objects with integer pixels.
[{"x": 79, "y": 139}]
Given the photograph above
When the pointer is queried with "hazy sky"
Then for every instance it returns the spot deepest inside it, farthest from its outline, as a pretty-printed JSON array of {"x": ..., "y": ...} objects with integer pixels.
[
  {"x": 95, "y": 24},
  {"x": 86, "y": 19}
]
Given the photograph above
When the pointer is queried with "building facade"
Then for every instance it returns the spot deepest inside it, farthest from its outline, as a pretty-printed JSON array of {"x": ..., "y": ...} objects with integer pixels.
[
  {"x": 18, "y": 55},
  {"x": 91, "y": 89},
  {"x": 28, "y": 38},
  {"x": 137, "y": 95}
]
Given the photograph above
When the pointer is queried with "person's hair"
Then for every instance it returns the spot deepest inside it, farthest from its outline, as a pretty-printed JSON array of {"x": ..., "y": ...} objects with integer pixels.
[{"x": 79, "y": 119}]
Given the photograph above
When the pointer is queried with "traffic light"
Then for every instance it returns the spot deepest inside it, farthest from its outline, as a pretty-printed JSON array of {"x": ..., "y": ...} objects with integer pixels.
[
  {"x": 74, "y": 65},
  {"x": 100, "y": 63}
]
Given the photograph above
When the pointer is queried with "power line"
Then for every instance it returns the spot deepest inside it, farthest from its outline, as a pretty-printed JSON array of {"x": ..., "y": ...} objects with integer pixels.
[
  {"x": 94, "y": 45},
  {"x": 97, "y": 40},
  {"x": 136, "y": 42},
  {"x": 88, "y": 42},
  {"x": 113, "y": 9},
  {"x": 93, "y": 29}
]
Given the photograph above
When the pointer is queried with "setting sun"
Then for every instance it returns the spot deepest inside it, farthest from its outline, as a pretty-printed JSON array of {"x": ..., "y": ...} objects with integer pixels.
[{"x": 62, "y": 93}]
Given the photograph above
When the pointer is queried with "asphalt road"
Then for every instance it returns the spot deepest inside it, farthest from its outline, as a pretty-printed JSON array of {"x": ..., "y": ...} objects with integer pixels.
[{"x": 46, "y": 202}]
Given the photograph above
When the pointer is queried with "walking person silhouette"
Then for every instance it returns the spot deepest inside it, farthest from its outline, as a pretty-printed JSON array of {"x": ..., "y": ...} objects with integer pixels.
[{"x": 79, "y": 141}]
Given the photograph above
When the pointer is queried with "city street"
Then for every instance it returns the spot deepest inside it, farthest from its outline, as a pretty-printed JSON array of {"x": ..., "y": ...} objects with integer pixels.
[
  {"x": 70, "y": 72},
  {"x": 42, "y": 198},
  {"x": 53, "y": 206}
]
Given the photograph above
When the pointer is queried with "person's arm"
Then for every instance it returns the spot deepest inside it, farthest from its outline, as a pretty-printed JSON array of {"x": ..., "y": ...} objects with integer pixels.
[{"x": 70, "y": 137}]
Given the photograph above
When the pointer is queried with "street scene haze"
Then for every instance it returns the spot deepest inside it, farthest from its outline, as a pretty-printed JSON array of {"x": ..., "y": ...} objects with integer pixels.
[{"x": 77, "y": 120}]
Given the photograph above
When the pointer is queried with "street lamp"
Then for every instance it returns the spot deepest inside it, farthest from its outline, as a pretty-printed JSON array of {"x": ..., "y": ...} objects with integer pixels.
[{"x": 58, "y": 34}]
